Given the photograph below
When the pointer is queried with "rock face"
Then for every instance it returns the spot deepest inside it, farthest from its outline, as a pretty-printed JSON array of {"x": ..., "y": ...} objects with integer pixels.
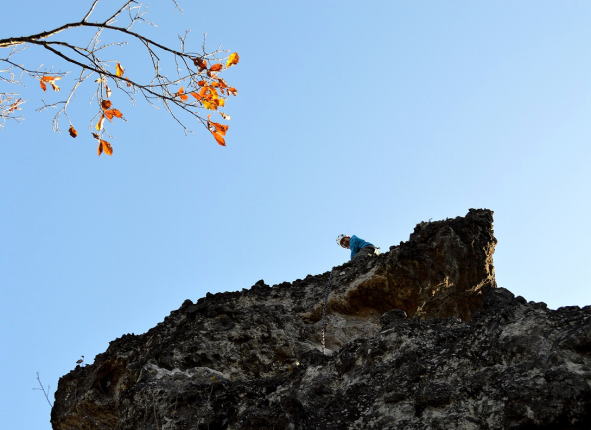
[{"x": 416, "y": 338}]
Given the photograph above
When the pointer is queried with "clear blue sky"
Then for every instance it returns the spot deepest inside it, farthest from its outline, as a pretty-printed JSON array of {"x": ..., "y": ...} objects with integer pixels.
[{"x": 351, "y": 118}]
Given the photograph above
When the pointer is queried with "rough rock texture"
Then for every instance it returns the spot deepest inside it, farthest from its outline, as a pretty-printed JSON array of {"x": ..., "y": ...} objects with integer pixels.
[{"x": 417, "y": 338}]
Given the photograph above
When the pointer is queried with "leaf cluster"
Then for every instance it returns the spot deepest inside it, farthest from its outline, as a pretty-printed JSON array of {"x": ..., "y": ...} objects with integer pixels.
[{"x": 193, "y": 87}]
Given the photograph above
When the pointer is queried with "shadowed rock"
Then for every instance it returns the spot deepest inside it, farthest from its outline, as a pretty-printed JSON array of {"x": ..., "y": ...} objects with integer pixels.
[{"x": 419, "y": 337}]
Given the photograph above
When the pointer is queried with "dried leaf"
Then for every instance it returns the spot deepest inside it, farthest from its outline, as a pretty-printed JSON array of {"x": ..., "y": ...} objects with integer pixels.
[
  {"x": 103, "y": 145},
  {"x": 106, "y": 147},
  {"x": 113, "y": 113},
  {"x": 200, "y": 63},
  {"x": 105, "y": 104},
  {"x": 225, "y": 116},
  {"x": 218, "y": 130},
  {"x": 72, "y": 131},
  {"x": 222, "y": 83},
  {"x": 232, "y": 59},
  {"x": 181, "y": 93},
  {"x": 208, "y": 92},
  {"x": 216, "y": 67},
  {"x": 219, "y": 138},
  {"x": 233, "y": 91},
  {"x": 99, "y": 124},
  {"x": 50, "y": 78},
  {"x": 108, "y": 91},
  {"x": 209, "y": 98},
  {"x": 119, "y": 70},
  {"x": 210, "y": 105}
]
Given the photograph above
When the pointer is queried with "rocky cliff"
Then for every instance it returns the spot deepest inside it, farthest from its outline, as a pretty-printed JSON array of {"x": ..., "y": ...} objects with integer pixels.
[{"x": 419, "y": 337}]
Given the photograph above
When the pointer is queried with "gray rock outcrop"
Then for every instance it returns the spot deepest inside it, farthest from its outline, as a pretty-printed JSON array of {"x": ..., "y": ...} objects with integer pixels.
[{"x": 419, "y": 337}]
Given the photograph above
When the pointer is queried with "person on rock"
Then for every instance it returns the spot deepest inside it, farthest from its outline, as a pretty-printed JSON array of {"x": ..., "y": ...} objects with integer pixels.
[{"x": 358, "y": 246}]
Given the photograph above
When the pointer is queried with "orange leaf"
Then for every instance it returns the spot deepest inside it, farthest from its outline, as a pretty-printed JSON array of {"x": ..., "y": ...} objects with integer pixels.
[
  {"x": 208, "y": 92},
  {"x": 203, "y": 92},
  {"x": 106, "y": 147},
  {"x": 219, "y": 138},
  {"x": 218, "y": 130},
  {"x": 99, "y": 124},
  {"x": 51, "y": 80},
  {"x": 119, "y": 70},
  {"x": 194, "y": 94},
  {"x": 233, "y": 91},
  {"x": 73, "y": 131},
  {"x": 232, "y": 59},
  {"x": 201, "y": 83},
  {"x": 201, "y": 63},
  {"x": 181, "y": 93},
  {"x": 210, "y": 105},
  {"x": 113, "y": 113},
  {"x": 47, "y": 78},
  {"x": 103, "y": 145},
  {"x": 216, "y": 126},
  {"x": 106, "y": 104},
  {"x": 209, "y": 98},
  {"x": 216, "y": 67}
]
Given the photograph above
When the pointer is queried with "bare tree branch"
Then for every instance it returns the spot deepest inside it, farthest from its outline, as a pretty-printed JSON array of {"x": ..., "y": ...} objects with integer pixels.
[
  {"x": 91, "y": 10},
  {"x": 197, "y": 86},
  {"x": 42, "y": 388}
]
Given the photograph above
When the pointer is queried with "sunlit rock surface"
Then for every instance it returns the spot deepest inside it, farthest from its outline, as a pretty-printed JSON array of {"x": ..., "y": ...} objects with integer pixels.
[{"x": 417, "y": 338}]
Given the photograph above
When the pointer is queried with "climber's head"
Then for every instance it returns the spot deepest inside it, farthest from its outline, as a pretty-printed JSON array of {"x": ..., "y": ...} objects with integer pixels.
[{"x": 343, "y": 240}]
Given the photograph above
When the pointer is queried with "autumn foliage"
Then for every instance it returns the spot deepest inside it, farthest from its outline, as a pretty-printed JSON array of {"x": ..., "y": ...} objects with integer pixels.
[
  {"x": 210, "y": 93},
  {"x": 194, "y": 89}
]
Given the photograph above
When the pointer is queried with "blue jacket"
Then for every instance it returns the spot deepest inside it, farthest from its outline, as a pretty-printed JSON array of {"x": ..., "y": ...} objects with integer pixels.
[{"x": 355, "y": 244}]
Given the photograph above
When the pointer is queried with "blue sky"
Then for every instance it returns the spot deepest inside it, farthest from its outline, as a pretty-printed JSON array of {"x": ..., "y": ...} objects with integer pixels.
[{"x": 350, "y": 119}]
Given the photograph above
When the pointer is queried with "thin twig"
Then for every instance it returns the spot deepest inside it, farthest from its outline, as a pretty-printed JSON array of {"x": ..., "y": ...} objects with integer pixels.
[
  {"x": 42, "y": 388},
  {"x": 159, "y": 87},
  {"x": 94, "y": 3}
]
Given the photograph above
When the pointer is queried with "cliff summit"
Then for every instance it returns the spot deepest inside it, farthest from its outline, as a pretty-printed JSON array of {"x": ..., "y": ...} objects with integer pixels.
[{"x": 419, "y": 337}]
